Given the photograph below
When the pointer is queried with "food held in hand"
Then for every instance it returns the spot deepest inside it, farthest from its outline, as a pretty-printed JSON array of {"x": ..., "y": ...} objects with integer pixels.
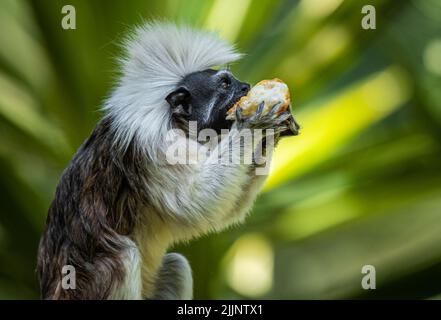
[
  {"x": 273, "y": 94},
  {"x": 270, "y": 92}
]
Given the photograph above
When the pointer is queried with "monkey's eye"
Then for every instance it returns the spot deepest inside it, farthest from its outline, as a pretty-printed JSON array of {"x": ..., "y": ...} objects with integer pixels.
[{"x": 225, "y": 82}]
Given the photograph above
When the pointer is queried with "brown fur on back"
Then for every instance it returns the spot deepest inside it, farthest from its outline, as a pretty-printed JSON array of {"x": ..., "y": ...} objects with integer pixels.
[{"x": 96, "y": 204}]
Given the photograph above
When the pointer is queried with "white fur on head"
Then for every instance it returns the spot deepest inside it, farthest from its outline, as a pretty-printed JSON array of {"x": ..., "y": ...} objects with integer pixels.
[{"x": 158, "y": 56}]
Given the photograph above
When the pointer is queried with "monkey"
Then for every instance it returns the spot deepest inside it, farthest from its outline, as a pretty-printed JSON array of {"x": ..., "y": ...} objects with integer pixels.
[{"x": 119, "y": 205}]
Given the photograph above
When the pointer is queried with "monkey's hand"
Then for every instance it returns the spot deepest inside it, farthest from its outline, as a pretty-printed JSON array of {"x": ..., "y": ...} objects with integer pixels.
[{"x": 271, "y": 120}]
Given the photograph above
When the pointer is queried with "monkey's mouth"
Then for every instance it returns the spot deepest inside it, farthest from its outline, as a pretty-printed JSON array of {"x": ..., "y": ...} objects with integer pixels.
[
  {"x": 228, "y": 123},
  {"x": 231, "y": 104}
]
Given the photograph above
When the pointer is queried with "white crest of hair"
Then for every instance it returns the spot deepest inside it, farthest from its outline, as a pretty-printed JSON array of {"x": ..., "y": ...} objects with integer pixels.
[{"x": 159, "y": 55}]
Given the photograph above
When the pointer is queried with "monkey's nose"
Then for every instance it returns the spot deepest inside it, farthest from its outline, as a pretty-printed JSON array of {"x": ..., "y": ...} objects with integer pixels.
[{"x": 245, "y": 88}]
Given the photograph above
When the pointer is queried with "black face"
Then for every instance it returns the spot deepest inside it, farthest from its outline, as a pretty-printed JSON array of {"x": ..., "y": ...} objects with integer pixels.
[{"x": 206, "y": 96}]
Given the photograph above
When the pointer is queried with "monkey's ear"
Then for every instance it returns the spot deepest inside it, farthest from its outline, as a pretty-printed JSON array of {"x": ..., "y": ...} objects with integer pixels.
[{"x": 179, "y": 101}]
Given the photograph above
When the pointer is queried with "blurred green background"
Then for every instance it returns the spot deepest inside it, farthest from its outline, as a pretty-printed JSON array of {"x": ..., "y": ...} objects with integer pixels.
[{"x": 360, "y": 186}]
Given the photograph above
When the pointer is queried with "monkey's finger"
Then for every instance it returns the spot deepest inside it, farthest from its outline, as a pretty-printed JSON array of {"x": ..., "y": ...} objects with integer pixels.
[
  {"x": 239, "y": 114},
  {"x": 284, "y": 116},
  {"x": 258, "y": 115},
  {"x": 279, "y": 107},
  {"x": 260, "y": 109},
  {"x": 275, "y": 109},
  {"x": 273, "y": 116}
]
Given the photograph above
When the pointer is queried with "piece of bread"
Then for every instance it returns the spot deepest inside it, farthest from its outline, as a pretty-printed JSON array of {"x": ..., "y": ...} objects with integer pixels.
[{"x": 270, "y": 92}]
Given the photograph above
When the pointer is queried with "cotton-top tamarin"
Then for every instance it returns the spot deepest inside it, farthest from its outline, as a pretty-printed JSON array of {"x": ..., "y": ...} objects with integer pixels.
[{"x": 119, "y": 205}]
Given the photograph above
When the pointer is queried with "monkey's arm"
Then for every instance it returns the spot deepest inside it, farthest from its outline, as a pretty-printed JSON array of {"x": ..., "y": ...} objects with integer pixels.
[{"x": 215, "y": 188}]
